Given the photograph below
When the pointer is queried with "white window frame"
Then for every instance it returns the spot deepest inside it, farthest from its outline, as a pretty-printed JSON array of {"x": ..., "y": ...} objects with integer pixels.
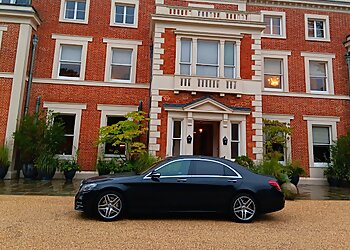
[
  {"x": 324, "y": 18},
  {"x": 69, "y": 109},
  {"x": 277, "y": 54},
  {"x": 172, "y": 136},
  {"x": 283, "y": 28},
  {"x": 125, "y": 2},
  {"x": 221, "y": 54},
  {"x": 70, "y": 40},
  {"x": 63, "y": 12},
  {"x": 326, "y": 58},
  {"x": 239, "y": 141},
  {"x": 112, "y": 110},
  {"x": 314, "y": 121},
  {"x": 121, "y": 44},
  {"x": 286, "y": 119},
  {"x": 2, "y": 29}
]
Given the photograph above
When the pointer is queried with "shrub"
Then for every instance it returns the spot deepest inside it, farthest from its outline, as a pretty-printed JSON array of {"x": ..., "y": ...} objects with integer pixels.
[
  {"x": 246, "y": 162},
  {"x": 274, "y": 168},
  {"x": 4, "y": 156},
  {"x": 340, "y": 160},
  {"x": 106, "y": 166},
  {"x": 294, "y": 168},
  {"x": 144, "y": 162},
  {"x": 68, "y": 165}
]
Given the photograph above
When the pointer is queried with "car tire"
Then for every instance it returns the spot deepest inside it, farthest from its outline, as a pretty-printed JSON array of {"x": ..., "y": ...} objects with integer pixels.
[
  {"x": 109, "y": 206},
  {"x": 243, "y": 208}
]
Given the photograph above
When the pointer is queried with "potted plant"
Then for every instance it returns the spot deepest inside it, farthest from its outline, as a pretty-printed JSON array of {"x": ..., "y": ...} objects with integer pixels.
[
  {"x": 69, "y": 168},
  {"x": 38, "y": 139},
  {"x": 105, "y": 167},
  {"x": 4, "y": 161},
  {"x": 27, "y": 138},
  {"x": 294, "y": 171},
  {"x": 46, "y": 165}
]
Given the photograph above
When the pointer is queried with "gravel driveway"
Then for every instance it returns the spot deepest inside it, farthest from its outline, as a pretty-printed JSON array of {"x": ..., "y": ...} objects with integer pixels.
[{"x": 41, "y": 222}]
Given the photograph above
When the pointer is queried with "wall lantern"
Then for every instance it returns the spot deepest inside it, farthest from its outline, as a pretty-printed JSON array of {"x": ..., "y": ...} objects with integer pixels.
[
  {"x": 189, "y": 139},
  {"x": 225, "y": 140}
]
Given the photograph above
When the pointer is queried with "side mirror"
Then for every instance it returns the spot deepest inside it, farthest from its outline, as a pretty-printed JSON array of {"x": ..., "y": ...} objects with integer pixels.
[{"x": 155, "y": 175}]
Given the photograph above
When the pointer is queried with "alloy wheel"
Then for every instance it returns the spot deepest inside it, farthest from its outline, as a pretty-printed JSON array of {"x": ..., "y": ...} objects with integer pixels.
[
  {"x": 109, "y": 206},
  {"x": 244, "y": 208}
]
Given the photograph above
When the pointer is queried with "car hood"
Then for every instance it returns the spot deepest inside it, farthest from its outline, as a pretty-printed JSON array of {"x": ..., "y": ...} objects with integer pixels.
[{"x": 111, "y": 178}]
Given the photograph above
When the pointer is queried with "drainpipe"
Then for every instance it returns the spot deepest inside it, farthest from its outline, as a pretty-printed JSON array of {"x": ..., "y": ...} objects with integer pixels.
[
  {"x": 30, "y": 78},
  {"x": 37, "y": 106}
]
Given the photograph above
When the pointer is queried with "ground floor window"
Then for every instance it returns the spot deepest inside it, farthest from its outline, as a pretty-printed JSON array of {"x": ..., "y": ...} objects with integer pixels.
[
  {"x": 176, "y": 138},
  {"x": 235, "y": 140},
  {"x": 321, "y": 138},
  {"x": 111, "y": 149},
  {"x": 68, "y": 121}
]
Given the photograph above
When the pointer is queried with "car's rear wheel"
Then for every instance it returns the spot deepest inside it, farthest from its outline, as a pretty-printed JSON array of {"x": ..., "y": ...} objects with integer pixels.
[
  {"x": 109, "y": 206},
  {"x": 243, "y": 208}
]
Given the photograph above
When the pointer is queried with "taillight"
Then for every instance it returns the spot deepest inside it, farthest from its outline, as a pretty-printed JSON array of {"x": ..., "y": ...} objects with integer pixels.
[{"x": 275, "y": 184}]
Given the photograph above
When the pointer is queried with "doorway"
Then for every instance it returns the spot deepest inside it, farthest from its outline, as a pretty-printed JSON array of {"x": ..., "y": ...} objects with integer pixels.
[{"x": 206, "y": 138}]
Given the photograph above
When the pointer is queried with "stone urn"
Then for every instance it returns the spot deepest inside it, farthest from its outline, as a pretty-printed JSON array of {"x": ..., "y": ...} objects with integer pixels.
[{"x": 290, "y": 190}]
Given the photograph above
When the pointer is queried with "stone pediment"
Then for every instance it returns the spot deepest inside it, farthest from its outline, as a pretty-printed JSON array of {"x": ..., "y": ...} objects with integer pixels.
[{"x": 205, "y": 104}]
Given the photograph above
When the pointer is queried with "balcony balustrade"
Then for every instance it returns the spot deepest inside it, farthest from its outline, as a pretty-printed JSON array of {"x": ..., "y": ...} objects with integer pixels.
[
  {"x": 194, "y": 12},
  {"x": 208, "y": 84}
]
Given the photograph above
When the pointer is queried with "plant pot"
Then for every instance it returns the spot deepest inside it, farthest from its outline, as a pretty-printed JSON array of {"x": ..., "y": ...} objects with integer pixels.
[
  {"x": 333, "y": 181},
  {"x": 29, "y": 171},
  {"x": 103, "y": 172},
  {"x": 295, "y": 179},
  {"x": 69, "y": 174},
  {"x": 3, "y": 172},
  {"x": 46, "y": 174}
]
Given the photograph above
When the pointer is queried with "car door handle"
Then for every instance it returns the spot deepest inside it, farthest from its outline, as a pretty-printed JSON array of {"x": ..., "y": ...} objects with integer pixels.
[
  {"x": 181, "y": 180},
  {"x": 233, "y": 181}
]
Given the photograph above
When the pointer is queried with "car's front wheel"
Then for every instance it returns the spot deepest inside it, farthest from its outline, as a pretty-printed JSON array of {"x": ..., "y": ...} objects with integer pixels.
[
  {"x": 243, "y": 208},
  {"x": 109, "y": 206}
]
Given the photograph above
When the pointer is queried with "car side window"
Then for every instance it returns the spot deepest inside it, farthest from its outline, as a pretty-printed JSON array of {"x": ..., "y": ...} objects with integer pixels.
[
  {"x": 230, "y": 172},
  {"x": 175, "y": 168},
  {"x": 208, "y": 168}
]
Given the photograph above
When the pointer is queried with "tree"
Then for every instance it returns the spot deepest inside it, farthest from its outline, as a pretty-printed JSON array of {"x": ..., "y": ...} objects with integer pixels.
[
  {"x": 125, "y": 132},
  {"x": 276, "y": 135}
]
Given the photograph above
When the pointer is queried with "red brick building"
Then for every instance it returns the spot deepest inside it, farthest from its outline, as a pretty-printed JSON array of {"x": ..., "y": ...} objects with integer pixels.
[{"x": 207, "y": 72}]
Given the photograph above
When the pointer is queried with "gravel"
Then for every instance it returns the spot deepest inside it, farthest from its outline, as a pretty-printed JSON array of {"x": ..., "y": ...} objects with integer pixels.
[{"x": 42, "y": 222}]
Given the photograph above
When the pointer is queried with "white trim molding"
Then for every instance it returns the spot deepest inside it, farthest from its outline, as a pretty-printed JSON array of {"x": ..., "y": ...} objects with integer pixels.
[
  {"x": 65, "y": 20},
  {"x": 283, "y": 27},
  {"x": 2, "y": 29},
  {"x": 121, "y": 44},
  {"x": 70, "y": 40},
  {"x": 126, "y": 3},
  {"x": 276, "y": 54},
  {"x": 69, "y": 108},
  {"x": 325, "y": 20},
  {"x": 327, "y": 121},
  {"x": 319, "y": 57}
]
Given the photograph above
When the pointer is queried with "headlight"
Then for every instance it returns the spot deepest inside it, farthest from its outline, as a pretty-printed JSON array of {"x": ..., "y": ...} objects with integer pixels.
[{"x": 88, "y": 187}]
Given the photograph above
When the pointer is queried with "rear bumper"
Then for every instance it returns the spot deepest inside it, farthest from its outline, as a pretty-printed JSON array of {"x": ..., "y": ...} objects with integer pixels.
[{"x": 272, "y": 202}]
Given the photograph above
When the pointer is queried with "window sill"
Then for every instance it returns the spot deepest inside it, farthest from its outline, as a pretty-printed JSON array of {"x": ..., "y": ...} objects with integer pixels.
[
  {"x": 133, "y": 26},
  {"x": 120, "y": 81},
  {"x": 320, "y": 165},
  {"x": 320, "y": 93},
  {"x": 318, "y": 39},
  {"x": 274, "y": 36},
  {"x": 274, "y": 90},
  {"x": 73, "y": 21},
  {"x": 69, "y": 78}
]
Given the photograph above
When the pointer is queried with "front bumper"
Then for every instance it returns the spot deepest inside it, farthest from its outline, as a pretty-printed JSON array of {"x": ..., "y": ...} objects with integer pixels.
[{"x": 84, "y": 201}]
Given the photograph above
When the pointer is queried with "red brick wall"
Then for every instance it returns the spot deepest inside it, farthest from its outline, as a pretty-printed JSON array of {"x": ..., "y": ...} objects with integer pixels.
[
  {"x": 184, "y": 97},
  {"x": 9, "y": 47},
  {"x": 307, "y": 106},
  {"x": 246, "y": 57},
  {"x": 5, "y": 90},
  {"x": 90, "y": 120},
  {"x": 98, "y": 28},
  {"x": 296, "y": 42},
  {"x": 169, "y": 55}
]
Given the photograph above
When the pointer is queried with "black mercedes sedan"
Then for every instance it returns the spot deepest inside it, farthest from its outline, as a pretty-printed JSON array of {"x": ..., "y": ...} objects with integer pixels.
[{"x": 182, "y": 184}]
